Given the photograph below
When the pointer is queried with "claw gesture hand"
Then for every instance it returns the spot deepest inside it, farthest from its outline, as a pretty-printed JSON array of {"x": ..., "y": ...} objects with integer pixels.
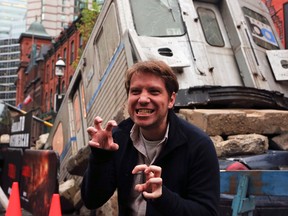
[
  {"x": 102, "y": 138},
  {"x": 152, "y": 187}
]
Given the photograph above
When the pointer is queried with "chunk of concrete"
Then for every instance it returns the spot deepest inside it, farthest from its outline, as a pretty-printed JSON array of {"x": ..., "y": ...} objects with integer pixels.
[{"x": 238, "y": 121}]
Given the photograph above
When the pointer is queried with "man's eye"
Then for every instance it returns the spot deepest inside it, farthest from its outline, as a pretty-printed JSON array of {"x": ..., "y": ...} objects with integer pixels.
[
  {"x": 154, "y": 92},
  {"x": 134, "y": 92}
]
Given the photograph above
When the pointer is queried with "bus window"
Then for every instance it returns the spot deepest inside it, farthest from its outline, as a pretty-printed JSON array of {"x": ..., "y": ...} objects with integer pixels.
[
  {"x": 260, "y": 29},
  {"x": 210, "y": 27},
  {"x": 107, "y": 41},
  {"x": 157, "y": 17},
  {"x": 58, "y": 142},
  {"x": 77, "y": 112},
  {"x": 83, "y": 100},
  {"x": 79, "y": 116}
]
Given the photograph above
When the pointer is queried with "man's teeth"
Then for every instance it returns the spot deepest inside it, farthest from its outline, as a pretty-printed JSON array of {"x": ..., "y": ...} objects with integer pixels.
[{"x": 144, "y": 111}]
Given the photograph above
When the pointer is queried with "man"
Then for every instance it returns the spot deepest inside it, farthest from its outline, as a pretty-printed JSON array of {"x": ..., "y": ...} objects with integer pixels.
[{"x": 159, "y": 163}]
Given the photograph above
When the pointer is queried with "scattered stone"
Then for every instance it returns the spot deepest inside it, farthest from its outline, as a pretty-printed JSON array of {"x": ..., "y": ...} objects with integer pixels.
[
  {"x": 247, "y": 144},
  {"x": 216, "y": 140},
  {"x": 77, "y": 201},
  {"x": 281, "y": 141},
  {"x": 41, "y": 141},
  {"x": 77, "y": 164},
  {"x": 110, "y": 208},
  {"x": 67, "y": 191}
]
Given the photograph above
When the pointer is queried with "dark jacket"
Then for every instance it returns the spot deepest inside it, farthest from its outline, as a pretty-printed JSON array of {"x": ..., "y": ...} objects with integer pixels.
[{"x": 190, "y": 172}]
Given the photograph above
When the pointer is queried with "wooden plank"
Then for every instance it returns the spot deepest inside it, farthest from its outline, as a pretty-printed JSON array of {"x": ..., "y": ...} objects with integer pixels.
[
  {"x": 261, "y": 182},
  {"x": 3, "y": 199}
]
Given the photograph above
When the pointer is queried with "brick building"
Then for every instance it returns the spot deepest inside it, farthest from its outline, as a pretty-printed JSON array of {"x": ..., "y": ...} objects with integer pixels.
[
  {"x": 279, "y": 13},
  {"x": 66, "y": 46},
  {"x": 37, "y": 83}
]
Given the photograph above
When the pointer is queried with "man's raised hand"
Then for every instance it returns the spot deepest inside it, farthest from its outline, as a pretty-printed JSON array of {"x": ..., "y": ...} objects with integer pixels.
[{"x": 102, "y": 138}]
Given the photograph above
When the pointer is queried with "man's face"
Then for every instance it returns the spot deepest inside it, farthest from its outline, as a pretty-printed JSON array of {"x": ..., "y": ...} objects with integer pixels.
[{"x": 148, "y": 101}]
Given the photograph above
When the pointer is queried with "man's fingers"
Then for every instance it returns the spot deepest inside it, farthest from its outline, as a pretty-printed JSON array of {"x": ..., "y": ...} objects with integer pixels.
[
  {"x": 114, "y": 147},
  {"x": 91, "y": 131},
  {"x": 97, "y": 123},
  {"x": 157, "y": 181},
  {"x": 156, "y": 188},
  {"x": 156, "y": 170},
  {"x": 110, "y": 125},
  {"x": 153, "y": 195},
  {"x": 94, "y": 144},
  {"x": 139, "y": 168},
  {"x": 140, "y": 187}
]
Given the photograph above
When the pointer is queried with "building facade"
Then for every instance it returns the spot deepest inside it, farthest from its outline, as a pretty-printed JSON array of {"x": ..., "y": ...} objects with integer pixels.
[
  {"x": 11, "y": 12},
  {"x": 34, "y": 44},
  {"x": 9, "y": 61},
  {"x": 279, "y": 13},
  {"x": 55, "y": 15},
  {"x": 16, "y": 17},
  {"x": 12, "y": 23},
  {"x": 37, "y": 84}
]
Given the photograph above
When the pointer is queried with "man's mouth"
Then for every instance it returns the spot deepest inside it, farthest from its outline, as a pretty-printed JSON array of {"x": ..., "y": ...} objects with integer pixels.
[{"x": 144, "y": 111}]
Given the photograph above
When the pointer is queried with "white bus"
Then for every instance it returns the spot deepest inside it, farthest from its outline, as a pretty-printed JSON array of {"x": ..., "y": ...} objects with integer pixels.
[{"x": 225, "y": 53}]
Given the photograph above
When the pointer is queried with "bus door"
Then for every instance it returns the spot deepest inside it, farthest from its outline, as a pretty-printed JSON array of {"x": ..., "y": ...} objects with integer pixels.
[{"x": 222, "y": 65}]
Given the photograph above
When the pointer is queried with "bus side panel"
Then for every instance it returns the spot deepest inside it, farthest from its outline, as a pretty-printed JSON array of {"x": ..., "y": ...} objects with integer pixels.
[{"x": 111, "y": 95}]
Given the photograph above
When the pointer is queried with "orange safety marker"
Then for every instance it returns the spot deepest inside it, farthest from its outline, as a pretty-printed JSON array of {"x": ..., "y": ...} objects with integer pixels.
[
  {"x": 55, "y": 207},
  {"x": 14, "y": 206}
]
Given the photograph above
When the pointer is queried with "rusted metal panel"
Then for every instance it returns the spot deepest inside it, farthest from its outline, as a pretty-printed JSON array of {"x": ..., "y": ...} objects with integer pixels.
[{"x": 261, "y": 182}]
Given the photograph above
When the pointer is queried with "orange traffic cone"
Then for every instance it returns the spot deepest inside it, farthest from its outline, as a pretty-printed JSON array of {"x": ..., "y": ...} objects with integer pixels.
[
  {"x": 14, "y": 206},
  {"x": 55, "y": 207}
]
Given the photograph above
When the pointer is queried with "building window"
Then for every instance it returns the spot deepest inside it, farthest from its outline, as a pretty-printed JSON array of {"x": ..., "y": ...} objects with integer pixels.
[
  {"x": 53, "y": 69},
  {"x": 47, "y": 73},
  {"x": 63, "y": 87},
  {"x": 51, "y": 100},
  {"x": 65, "y": 55},
  {"x": 80, "y": 41},
  {"x": 72, "y": 53},
  {"x": 47, "y": 102}
]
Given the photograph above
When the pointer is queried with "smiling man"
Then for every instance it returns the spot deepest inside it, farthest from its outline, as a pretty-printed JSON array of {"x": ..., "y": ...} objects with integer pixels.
[{"x": 159, "y": 163}]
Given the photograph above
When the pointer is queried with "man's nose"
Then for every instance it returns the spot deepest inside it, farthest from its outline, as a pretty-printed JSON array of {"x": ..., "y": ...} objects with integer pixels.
[{"x": 144, "y": 98}]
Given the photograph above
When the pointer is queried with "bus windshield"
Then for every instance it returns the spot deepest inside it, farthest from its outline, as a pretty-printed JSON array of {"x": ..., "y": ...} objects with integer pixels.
[{"x": 157, "y": 18}]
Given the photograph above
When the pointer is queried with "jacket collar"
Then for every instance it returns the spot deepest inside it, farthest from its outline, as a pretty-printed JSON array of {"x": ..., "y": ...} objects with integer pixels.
[{"x": 176, "y": 137}]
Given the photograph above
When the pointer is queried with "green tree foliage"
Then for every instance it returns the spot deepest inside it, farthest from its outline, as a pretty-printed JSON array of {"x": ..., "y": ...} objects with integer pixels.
[
  {"x": 87, "y": 21},
  {"x": 85, "y": 27}
]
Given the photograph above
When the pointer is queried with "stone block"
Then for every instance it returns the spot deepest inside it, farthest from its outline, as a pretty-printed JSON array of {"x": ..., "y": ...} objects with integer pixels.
[{"x": 237, "y": 121}]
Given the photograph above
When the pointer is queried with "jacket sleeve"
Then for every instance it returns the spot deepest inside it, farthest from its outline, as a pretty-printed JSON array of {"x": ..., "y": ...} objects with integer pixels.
[{"x": 98, "y": 183}]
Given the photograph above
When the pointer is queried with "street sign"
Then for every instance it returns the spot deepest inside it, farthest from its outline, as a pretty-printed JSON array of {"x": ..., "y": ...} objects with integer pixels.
[{"x": 20, "y": 131}]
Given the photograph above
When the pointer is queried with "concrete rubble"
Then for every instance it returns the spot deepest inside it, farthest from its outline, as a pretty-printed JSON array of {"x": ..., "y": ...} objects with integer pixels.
[{"x": 233, "y": 132}]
